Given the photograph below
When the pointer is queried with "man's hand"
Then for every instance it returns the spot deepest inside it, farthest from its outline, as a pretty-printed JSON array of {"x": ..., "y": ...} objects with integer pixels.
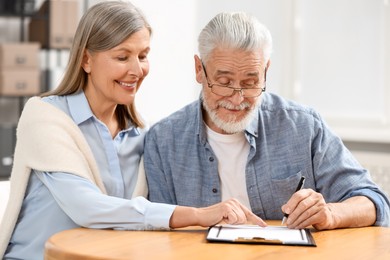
[{"x": 308, "y": 208}]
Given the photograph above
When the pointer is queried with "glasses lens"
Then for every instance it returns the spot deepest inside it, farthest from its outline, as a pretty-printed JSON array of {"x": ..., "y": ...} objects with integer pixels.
[
  {"x": 222, "y": 91},
  {"x": 251, "y": 92},
  {"x": 227, "y": 92}
]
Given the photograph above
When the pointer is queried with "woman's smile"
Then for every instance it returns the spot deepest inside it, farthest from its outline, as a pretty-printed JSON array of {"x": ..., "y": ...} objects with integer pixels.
[{"x": 127, "y": 86}]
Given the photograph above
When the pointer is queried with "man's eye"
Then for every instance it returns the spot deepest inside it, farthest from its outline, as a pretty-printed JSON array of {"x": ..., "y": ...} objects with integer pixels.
[
  {"x": 224, "y": 83},
  {"x": 143, "y": 57},
  {"x": 122, "y": 58},
  {"x": 250, "y": 84}
]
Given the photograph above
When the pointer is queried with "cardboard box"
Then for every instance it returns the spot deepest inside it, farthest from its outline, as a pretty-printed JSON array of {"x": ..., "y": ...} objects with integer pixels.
[
  {"x": 71, "y": 17},
  {"x": 19, "y": 55},
  {"x": 58, "y": 30},
  {"x": 20, "y": 82}
]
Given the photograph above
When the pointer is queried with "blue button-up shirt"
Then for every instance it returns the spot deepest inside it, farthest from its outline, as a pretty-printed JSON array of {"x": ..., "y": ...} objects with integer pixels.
[
  {"x": 59, "y": 201},
  {"x": 287, "y": 141}
]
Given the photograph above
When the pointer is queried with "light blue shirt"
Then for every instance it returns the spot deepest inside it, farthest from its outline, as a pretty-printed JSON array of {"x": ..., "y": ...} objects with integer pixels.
[
  {"x": 59, "y": 201},
  {"x": 287, "y": 141}
]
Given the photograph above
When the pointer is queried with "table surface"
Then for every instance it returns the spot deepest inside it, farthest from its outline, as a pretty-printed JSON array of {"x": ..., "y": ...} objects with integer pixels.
[{"x": 190, "y": 243}]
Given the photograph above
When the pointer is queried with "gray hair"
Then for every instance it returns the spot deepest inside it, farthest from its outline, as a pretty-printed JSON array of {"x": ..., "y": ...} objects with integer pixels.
[
  {"x": 103, "y": 27},
  {"x": 234, "y": 31},
  {"x": 110, "y": 23}
]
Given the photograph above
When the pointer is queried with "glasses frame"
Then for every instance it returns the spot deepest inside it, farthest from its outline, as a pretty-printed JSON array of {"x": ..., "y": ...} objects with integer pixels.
[{"x": 210, "y": 85}]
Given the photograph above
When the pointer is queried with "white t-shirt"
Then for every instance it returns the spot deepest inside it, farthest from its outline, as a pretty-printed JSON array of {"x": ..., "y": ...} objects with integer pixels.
[{"x": 232, "y": 153}]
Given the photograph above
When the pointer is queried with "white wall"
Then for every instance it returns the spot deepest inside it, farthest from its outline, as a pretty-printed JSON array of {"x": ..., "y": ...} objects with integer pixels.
[
  {"x": 171, "y": 83},
  {"x": 342, "y": 65}
]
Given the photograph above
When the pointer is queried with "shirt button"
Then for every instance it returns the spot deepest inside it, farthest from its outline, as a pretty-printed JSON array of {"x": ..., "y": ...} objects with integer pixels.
[
  {"x": 215, "y": 190},
  {"x": 211, "y": 159}
]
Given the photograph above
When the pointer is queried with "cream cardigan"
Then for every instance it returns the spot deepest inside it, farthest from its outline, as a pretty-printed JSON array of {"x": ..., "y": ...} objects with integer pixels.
[{"x": 49, "y": 140}]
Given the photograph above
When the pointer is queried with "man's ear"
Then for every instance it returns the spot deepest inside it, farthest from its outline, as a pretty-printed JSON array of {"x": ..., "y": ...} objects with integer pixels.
[
  {"x": 86, "y": 62},
  {"x": 268, "y": 64},
  {"x": 198, "y": 69}
]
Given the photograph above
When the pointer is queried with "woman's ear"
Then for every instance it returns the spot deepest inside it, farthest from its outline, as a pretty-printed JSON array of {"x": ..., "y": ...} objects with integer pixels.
[
  {"x": 198, "y": 69},
  {"x": 86, "y": 62}
]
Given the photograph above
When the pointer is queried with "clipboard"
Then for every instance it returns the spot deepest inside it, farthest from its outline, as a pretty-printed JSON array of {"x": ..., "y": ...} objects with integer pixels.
[{"x": 250, "y": 234}]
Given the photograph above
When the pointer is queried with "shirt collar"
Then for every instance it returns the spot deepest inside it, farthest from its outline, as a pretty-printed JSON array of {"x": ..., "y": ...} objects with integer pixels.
[
  {"x": 201, "y": 124},
  {"x": 79, "y": 107}
]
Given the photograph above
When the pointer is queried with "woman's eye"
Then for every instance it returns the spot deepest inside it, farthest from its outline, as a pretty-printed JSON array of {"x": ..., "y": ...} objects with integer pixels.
[{"x": 122, "y": 58}]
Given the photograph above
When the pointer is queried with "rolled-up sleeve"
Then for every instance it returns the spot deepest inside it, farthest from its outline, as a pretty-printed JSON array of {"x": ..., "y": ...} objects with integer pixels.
[{"x": 381, "y": 203}]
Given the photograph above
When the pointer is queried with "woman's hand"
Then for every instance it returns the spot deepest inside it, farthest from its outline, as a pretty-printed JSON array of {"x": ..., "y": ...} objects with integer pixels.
[{"x": 230, "y": 211}]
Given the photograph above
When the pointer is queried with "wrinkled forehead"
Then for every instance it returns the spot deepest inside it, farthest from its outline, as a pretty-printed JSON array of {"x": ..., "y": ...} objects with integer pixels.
[{"x": 236, "y": 59}]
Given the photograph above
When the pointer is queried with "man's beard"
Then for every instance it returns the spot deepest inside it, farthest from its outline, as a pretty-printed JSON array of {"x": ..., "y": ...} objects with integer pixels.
[{"x": 231, "y": 125}]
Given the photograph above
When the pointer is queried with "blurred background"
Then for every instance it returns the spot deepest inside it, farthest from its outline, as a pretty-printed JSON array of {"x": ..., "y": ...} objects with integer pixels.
[{"x": 332, "y": 55}]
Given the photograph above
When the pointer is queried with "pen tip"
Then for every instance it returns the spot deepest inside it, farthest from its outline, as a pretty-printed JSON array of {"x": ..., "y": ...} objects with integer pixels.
[{"x": 283, "y": 220}]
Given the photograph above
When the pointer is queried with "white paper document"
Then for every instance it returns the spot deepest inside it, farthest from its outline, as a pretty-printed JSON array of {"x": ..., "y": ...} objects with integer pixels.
[{"x": 260, "y": 235}]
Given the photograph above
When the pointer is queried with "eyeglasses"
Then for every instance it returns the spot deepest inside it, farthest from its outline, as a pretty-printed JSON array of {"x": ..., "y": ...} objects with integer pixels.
[{"x": 225, "y": 90}]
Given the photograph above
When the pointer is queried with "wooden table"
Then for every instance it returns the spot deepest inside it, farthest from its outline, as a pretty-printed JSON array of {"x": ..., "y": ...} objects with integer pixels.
[{"x": 190, "y": 243}]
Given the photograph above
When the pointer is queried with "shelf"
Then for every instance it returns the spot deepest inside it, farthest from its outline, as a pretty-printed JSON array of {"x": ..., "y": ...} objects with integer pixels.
[{"x": 17, "y": 8}]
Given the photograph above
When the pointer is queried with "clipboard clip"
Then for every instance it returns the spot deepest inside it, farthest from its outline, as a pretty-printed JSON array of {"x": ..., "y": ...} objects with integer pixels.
[{"x": 257, "y": 240}]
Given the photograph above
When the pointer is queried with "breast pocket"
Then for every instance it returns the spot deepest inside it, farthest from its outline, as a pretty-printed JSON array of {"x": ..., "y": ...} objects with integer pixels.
[{"x": 284, "y": 188}]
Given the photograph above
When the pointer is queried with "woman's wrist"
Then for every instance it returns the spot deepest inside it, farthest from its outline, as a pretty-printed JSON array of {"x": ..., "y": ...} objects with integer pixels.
[{"x": 184, "y": 216}]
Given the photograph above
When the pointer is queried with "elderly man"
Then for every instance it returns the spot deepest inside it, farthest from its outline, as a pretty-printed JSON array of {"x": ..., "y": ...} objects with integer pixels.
[{"x": 237, "y": 141}]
